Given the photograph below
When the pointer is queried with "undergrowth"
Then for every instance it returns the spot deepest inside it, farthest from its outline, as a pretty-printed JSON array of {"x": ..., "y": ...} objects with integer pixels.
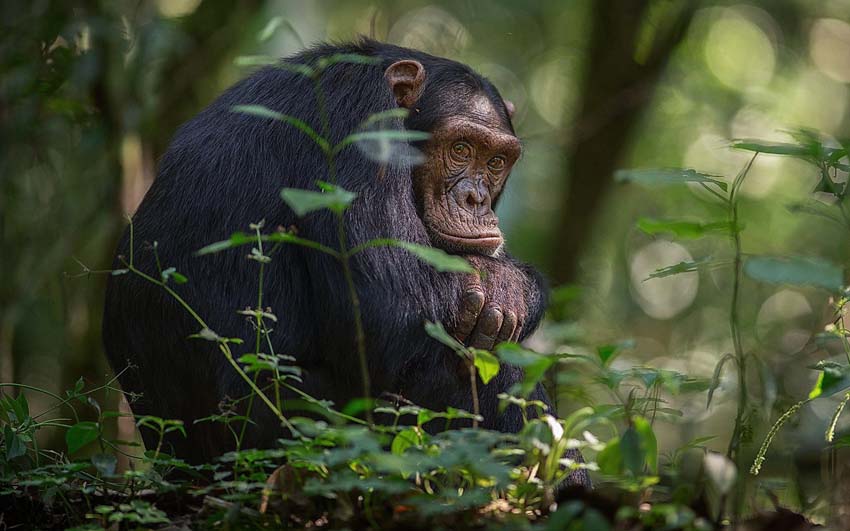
[{"x": 342, "y": 470}]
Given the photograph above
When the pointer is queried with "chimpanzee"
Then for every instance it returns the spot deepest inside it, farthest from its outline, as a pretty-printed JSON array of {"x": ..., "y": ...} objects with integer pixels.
[{"x": 224, "y": 170}]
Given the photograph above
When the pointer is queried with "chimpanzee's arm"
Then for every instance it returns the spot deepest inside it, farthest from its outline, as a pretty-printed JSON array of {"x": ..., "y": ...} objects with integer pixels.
[{"x": 504, "y": 301}]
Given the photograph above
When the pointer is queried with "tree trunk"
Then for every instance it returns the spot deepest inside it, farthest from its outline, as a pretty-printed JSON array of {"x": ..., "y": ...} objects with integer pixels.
[{"x": 619, "y": 83}]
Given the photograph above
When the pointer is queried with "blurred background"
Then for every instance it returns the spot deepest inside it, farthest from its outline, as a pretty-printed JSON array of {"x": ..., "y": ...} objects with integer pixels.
[{"x": 91, "y": 92}]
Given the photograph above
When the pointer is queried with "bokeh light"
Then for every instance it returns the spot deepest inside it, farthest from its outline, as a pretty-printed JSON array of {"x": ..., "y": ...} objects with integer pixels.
[
  {"x": 739, "y": 53},
  {"x": 662, "y": 298},
  {"x": 829, "y": 46}
]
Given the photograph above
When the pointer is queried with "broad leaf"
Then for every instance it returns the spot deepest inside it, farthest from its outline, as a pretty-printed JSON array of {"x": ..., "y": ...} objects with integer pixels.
[
  {"x": 81, "y": 434},
  {"x": 648, "y": 442},
  {"x": 633, "y": 455},
  {"x": 798, "y": 271},
  {"x": 610, "y": 458},
  {"x": 607, "y": 353},
  {"x": 832, "y": 379},
  {"x": 15, "y": 446},
  {"x": 404, "y": 439},
  {"x": 303, "y": 202},
  {"x": 487, "y": 365}
]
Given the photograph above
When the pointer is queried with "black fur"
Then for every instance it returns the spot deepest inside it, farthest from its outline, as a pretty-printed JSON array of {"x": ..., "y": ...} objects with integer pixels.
[{"x": 225, "y": 170}]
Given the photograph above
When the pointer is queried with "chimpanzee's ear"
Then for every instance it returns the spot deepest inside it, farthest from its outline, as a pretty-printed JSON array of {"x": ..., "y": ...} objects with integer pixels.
[
  {"x": 510, "y": 107},
  {"x": 406, "y": 79}
]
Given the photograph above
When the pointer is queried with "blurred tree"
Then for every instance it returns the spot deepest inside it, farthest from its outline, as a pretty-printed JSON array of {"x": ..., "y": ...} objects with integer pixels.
[{"x": 630, "y": 44}]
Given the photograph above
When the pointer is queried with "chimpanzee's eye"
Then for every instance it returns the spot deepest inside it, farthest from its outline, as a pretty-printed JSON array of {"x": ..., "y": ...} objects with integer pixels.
[
  {"x": 462, "y": 150},
  {"x": 497, "y": 163}
]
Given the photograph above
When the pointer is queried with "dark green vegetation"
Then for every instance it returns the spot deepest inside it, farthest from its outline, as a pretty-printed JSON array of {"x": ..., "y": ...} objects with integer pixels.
[{"x": 676, "y": 438}]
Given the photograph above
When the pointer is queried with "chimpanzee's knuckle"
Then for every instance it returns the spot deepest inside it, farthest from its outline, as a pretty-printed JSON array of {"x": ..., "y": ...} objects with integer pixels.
[{"x": 474, "y": 298}]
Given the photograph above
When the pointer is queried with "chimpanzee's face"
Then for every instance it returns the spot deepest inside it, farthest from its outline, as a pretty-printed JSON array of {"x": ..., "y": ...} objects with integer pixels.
[{"x": 468, "y": 160}]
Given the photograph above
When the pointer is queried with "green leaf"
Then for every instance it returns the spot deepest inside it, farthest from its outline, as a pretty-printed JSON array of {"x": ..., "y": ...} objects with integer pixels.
[
  {"x": 171, "y": 273},
  {"x": 390, "y": 114},
  {"x": 237, "y": 239},
  {"x": 688, "y": 230},
  {"x": 404, "y": 439},
  {"x": 438, "y": 332},
  {"x": 610, "y": 458},
  {"x": 681, "y": 267},
  {"x": 351, "y": 58},
  {"x": 81, "y": 434},
  {"x": 14, "y": 444},
  {"x": 607, "y": 353},
  {"x": 774, "y": 148},
  {"x": 715, "y": 379},
  {"x": 798, "y": 271},
  {"x": 358, "y": 405},
  {"x": 436, "y": 258},
  {"x": 270, "y": 28},
  {"x": 668, "y": 176},
  {"x": 534, "y": 365},
  {"x": 303, "y": 202},
  {"x": 301, "y": 125},
  {"x": 397, "y": 135},
  {"x": 832, "y": 379},
  {"x": 487, "y": 365},
  {"x": 255, "y": 60},
  {"x": 648, "y": 442},
  {"x": 634, "y": 455}
]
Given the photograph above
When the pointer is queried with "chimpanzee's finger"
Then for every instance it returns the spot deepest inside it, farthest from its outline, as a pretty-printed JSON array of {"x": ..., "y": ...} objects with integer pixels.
[
  {"x": 518, "y": 331},
  {"x": 508, "y": 327},
  {"x": 470, "y": 307},
  {"x": 489, "y": 324}
]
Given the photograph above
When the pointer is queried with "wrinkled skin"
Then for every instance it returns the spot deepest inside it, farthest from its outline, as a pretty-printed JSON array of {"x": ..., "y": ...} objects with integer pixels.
[
  {"x": 469, "y": 159},
  {"x": 493, "y": 307}
]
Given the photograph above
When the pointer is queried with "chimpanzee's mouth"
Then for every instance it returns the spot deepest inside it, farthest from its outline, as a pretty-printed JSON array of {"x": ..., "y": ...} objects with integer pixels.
[{"x": 486, "y": 239}]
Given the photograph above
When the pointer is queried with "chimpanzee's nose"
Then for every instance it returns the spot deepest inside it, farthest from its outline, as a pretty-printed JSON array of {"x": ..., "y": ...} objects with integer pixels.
[{"x": 477, "y": 197}]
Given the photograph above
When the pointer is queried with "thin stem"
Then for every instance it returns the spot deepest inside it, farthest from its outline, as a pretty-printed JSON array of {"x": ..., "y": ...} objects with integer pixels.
[
  {"x": 344, "y": 255},
  {"x": 733, "y": 450},
  {"x": 258, "y": 338},
  {"x": 358, "y": 320},
  {"x": 473, "y": 383},
  {"x": 714, "y": 192}
]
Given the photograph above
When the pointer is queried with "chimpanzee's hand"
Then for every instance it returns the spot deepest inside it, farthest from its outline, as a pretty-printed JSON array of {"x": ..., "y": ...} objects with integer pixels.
[{"x": 493, "y": 305}]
